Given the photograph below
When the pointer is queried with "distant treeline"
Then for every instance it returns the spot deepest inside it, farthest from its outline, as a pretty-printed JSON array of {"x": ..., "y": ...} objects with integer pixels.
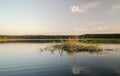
[{"x": 105, "y": 36}]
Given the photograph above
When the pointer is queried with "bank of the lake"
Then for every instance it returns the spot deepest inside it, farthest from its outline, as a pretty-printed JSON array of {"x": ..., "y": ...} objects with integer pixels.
[{"x": 107, "y": 41}]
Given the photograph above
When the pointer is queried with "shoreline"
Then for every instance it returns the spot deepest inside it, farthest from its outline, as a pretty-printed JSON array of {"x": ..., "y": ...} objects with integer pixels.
[{"x": 106, "y": 41}]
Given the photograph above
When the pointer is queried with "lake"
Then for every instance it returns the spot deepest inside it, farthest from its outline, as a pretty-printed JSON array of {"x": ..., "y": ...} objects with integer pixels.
[{"x": 26, "y": 59}]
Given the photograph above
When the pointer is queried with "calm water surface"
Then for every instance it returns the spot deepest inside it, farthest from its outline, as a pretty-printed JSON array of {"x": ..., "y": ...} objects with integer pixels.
[{"x": 25, "y": 59}]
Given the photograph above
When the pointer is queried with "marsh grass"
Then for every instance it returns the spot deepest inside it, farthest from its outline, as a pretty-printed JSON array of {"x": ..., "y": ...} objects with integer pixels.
[
  {"x": 4, "y": 40},
  {"x": 72, "y": 45}
]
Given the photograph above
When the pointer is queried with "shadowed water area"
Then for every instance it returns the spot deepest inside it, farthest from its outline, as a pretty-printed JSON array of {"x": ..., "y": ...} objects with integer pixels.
[{"x": 27, "y": 59}]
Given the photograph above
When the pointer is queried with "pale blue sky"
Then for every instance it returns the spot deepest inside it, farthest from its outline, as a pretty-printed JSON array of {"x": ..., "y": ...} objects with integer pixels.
[{"x": 38, "y": 17}]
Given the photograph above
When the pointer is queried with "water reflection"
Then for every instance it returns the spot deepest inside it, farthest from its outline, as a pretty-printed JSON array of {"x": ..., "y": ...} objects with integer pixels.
[
  {"x": 95, "y": 71},
  {"x": 61, "y": 51},
  {"x": 53, "y": 48},
  {"x": 23, "y": 60},
  {"x": 76, "y": 70},
  {"x": 102, "y": 63},
  {"x": 80, "y": 70}
]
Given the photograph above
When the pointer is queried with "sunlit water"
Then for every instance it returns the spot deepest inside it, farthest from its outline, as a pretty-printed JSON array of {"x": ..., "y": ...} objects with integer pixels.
[{"x": 25, "y": 59}]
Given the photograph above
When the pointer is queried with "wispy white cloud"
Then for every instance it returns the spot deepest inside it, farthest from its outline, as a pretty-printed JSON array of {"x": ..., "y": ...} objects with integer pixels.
[
  {"x": 98, "y": 29},
  {"x": 116, "y": 6},
  {"x": 84, "y": 8},
  {"x": 115, "y": 9},
  {"x": 76, "y": 9}
]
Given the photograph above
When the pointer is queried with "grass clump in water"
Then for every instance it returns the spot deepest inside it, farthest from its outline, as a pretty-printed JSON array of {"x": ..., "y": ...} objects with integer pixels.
[{"x": 73, "y": 44}]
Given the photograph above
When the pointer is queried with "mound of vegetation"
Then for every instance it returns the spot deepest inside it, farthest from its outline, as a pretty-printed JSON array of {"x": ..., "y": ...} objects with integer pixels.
[
  {"x": 71, "y": 46},
  {"x": 76, "y": 46}
]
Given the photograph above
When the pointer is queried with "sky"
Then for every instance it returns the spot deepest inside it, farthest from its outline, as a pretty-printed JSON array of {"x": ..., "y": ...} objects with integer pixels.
[{"x": 59, "y": 17}]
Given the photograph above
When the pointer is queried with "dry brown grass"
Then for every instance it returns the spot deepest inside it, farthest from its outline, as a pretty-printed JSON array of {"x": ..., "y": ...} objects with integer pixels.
[{"x": 72, "y": 45}]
